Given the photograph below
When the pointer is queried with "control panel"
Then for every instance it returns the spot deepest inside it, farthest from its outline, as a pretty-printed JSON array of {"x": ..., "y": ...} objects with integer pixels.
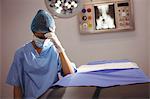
[{"x": 106, "y": 16}]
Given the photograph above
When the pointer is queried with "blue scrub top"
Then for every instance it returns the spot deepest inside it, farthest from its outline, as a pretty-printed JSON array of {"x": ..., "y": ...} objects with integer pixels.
[{"x": 34, "y": 72}]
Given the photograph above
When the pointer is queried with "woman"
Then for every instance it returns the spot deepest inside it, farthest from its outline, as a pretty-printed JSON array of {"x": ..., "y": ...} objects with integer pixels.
[{"x": 36, "y": 65}]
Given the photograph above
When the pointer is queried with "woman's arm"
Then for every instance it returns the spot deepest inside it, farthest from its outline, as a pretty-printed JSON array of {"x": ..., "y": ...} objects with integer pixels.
[
  {"x": 66, "y": 64},
  {"x": 17, "y": 92}
]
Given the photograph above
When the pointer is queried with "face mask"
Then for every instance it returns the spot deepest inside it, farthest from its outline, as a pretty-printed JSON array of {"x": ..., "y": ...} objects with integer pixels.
[{"x": 39, "y": 42}]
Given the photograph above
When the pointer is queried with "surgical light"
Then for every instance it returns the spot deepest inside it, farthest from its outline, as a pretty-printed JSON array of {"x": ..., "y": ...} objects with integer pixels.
[{"x": 63, "y": 8}]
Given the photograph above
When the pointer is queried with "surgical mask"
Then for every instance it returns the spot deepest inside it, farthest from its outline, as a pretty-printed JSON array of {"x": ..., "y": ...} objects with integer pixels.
[{"x": 39, "y": 42}]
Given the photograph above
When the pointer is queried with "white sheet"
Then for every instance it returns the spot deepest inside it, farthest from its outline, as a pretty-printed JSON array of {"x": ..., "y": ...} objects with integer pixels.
[{"x": 106, "y": 66}]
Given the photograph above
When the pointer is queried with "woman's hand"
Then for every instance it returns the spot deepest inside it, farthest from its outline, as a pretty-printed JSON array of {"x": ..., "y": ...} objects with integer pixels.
[
  {"x": 54, "y": 39},
  {"x": 66, "y": 63}
]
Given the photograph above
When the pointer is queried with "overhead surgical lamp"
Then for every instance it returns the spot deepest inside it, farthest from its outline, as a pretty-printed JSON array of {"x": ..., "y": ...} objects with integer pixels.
[{"x": 63, "y": 8}]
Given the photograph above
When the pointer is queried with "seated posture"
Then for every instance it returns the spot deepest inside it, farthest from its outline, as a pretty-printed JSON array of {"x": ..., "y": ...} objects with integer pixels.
[{"x": 36, "y": 65}]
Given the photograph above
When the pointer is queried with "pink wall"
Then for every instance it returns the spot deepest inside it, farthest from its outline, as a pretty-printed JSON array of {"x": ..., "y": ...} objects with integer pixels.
[
  {"x": 16, "y": 18},
  {"x": 0, "y": 48},
  {"x": 149, "y": 38}
]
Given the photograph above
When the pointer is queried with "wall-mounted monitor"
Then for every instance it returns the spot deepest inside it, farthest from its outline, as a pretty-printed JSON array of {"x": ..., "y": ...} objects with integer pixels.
[{"x": 106, "y": 16}]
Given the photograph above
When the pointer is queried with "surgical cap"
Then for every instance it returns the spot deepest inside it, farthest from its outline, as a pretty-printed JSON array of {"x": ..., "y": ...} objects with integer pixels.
[{"x": 42, "y": 22}]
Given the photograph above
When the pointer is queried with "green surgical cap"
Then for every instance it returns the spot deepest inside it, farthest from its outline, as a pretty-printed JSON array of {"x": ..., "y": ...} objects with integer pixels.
[{"x": 42, "y": 21}]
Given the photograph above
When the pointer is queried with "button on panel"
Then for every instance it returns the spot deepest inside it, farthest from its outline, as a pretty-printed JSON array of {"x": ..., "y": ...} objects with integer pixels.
[
  {"x": 86, "y": 15},
  {"x": 84, "y": 18}
]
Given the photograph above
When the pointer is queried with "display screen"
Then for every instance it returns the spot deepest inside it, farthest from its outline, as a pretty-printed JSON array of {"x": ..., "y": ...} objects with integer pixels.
[
  {"x": 123, "y": 4},
  {"x": 104, "y": 16}
]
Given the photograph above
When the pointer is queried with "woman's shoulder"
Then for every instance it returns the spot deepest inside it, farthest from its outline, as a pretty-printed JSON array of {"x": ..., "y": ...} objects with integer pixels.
[{"x": 22, "y": 48}]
